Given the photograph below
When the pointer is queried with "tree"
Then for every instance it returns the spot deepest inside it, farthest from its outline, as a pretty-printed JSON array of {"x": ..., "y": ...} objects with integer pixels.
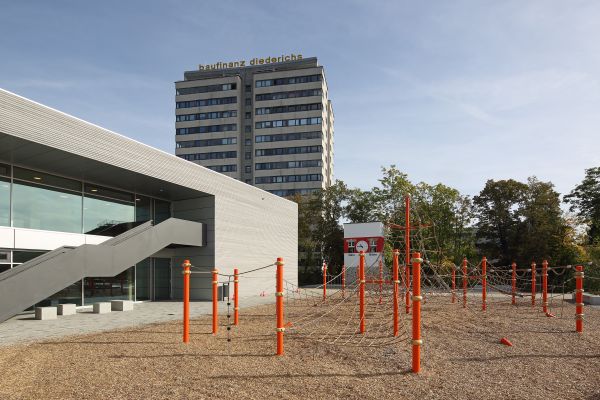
[
  {"x": 585, "y": 202},
  {"x": 498, "y": 209}
]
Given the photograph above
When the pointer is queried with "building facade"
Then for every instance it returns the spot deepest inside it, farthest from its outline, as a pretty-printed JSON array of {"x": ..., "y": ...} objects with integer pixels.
[
  {"x": 88, "y": 215},
  {"x": 269, "y": 124}
]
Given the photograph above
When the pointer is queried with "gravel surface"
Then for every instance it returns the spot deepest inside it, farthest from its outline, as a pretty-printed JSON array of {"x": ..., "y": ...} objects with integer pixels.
[{"x": 461, "y": 359}]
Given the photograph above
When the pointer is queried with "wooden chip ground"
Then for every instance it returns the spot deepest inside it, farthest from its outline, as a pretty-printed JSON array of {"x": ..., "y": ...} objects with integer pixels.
[{"x": 462, "y": 359}]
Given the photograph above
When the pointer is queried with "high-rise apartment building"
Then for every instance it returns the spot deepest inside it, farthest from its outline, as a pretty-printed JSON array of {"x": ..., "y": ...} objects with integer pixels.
[{"x": 268, "y": 124}]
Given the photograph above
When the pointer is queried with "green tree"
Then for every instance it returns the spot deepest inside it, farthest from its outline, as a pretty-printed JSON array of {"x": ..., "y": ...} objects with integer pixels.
[
  {"x": 498, "y": 210},
  {"x": 584, "y": 200}
]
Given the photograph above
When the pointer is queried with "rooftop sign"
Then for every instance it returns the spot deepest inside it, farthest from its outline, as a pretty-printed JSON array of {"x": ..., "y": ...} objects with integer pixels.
[{"x": 254, "y": 61}]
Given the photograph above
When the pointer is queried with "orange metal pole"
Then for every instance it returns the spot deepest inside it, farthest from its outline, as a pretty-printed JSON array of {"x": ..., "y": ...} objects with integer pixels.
[
  {"x": 215, "y": 304},
  {"x": 579, "y": 298},
  {"x": 361, "y": 277},
  {"x": 279, "y": 305},
  {"x": 186, "y": 300},
  {"x": 324, "y": 280},
  {"x": 514, "y": 283},
  {"x": 343, "y": 280},
  {"x": 453, "y": 283},
  {"x": 533, "y": 267},
  {"x": 396, "y": 288},
  {"x": 484, "y": 284},
  {"x": 545, "y": 286},
  {"x": 464, "y": 277},
  {"x": 380, "y": 279},
  {"x": 407, "y": 244},
  {"x": 236, "y": 297},
  {"x": 416, "y": 321}
]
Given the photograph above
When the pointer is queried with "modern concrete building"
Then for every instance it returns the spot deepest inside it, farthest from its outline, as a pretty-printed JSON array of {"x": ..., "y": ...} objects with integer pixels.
[
  {"x": 88, "y": 215},
  {"x": 268, "y": 124}
]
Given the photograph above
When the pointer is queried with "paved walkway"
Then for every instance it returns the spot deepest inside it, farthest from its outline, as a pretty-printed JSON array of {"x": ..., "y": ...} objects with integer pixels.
[{"x": 25, "y": 328}]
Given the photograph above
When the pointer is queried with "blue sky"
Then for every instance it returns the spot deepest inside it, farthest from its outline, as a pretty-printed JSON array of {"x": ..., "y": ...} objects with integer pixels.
[{"x": 450, "y": 91}]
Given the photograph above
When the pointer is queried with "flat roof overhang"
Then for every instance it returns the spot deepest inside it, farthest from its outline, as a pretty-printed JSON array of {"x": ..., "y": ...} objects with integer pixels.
[{"x": 33, "y": 155}]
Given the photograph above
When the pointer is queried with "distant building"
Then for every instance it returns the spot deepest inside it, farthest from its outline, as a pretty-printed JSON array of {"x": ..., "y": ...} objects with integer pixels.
[{"x": 268, "y": 124}]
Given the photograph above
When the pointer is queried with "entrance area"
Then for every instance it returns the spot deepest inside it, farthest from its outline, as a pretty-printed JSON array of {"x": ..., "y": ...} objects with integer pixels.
[{"x": 153, "y": 279}]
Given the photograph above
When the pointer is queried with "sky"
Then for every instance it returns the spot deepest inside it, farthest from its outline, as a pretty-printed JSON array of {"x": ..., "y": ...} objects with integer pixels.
[{"x": 456, "y": 92}]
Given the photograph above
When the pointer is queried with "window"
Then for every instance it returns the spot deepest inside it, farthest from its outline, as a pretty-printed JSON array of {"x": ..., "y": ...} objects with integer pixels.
[
  {"x": 208, "y": 156},
  {"x": 351, "y": 244},
  {"x": 288, "y": 95},
  {"x": 288, "y": 150},
  {"x": 223, "y": 168},
  {"x": 104, "y": 207},
  {"x": 248, "y": 142},
  {"x": 289, "y": 136},
  {"x": 248, "y": 181},
  {"x": 287, "y": 109},
  {"x": 248, "y": 115},
  {"x": 288, "y": 122},
  {"x": 206, "y": 129},
  {"x": 248, "y": 88},
  {"x": 289, "y": 164},
  {"x": 248, "y": 169},
  {"x": 248, "y": 101},
  {"x": 206, "y": 89},
  {"x": 248, "y": 155},
  {"x": 248, "y": 129},
  {"x": 202, "y": 116},
  {"x": 289, "y": 178},
  {"x": 4, "y": 201},
  {"x": 32, "y": 193},
  {"x": 208, "y": 142},
  {"x": 292, "y": 192},
  {"x": 288, "y": 81},
  {"x": 206, "y": 102},
  {"x": 373, "y": 245}
]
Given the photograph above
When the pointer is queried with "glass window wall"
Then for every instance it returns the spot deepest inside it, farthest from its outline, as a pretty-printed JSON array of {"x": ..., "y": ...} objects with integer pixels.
[
  {"x": 104, "y": 208},
  {"x": 46, "y": 208},
  {"x": 4, "y": 201}
]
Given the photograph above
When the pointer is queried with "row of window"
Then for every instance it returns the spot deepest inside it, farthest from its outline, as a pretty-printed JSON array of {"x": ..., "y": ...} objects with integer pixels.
[
  {"x": 206, "y": 89},
  {"x": 288, "y": 95},
  {"x": 288, "y": 136},
  {"x": 288, "y": 81},
  {"x": 280, "y": 123},
  {"x": 206, "y": 129},
  {"x": 289, "y": 150},
  {"x": 290, "y": 108},
  {"x": 37, "y": 200},
  {"x": 208, "y": 142},
  {"x": 208, "y": 115},
  {"x": 206, "y": 102},
  {"x": 289, "y": 164},
  {"x": 289, "y": 178},
  {"x": 217, "y": 155},
  {"x": 292, "y": 192},
  {"x": 224, "y": 168}
]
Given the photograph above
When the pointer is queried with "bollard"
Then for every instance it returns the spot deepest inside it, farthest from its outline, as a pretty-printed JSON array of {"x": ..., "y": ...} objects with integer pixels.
[
  {"x": 279, "y": 305},
  {"x": 361, "y": 277},
  {"x": 324, "y": 280},
  {"x": 417, "y": 342},
  {"x": 215, "y": 305},
  {"x": 407, "y": 243},
  {"x": 545, "y": 286},
  {"x": 533, "y": 267},
  {"x": 484, "y": 284},
  {"x": 396, "y": 289},
  {"x": 344, "y": 281},
  {"x": 380, "y": 279},
  {"x": 514, "y": 283},
  {"x": 579, "y": 298},
  {"x": 464, "y": 274},
  {"x": 186, "y": 300},
  {"x": 236, "y": 297},
  {"x": 453, "y": 283}
]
